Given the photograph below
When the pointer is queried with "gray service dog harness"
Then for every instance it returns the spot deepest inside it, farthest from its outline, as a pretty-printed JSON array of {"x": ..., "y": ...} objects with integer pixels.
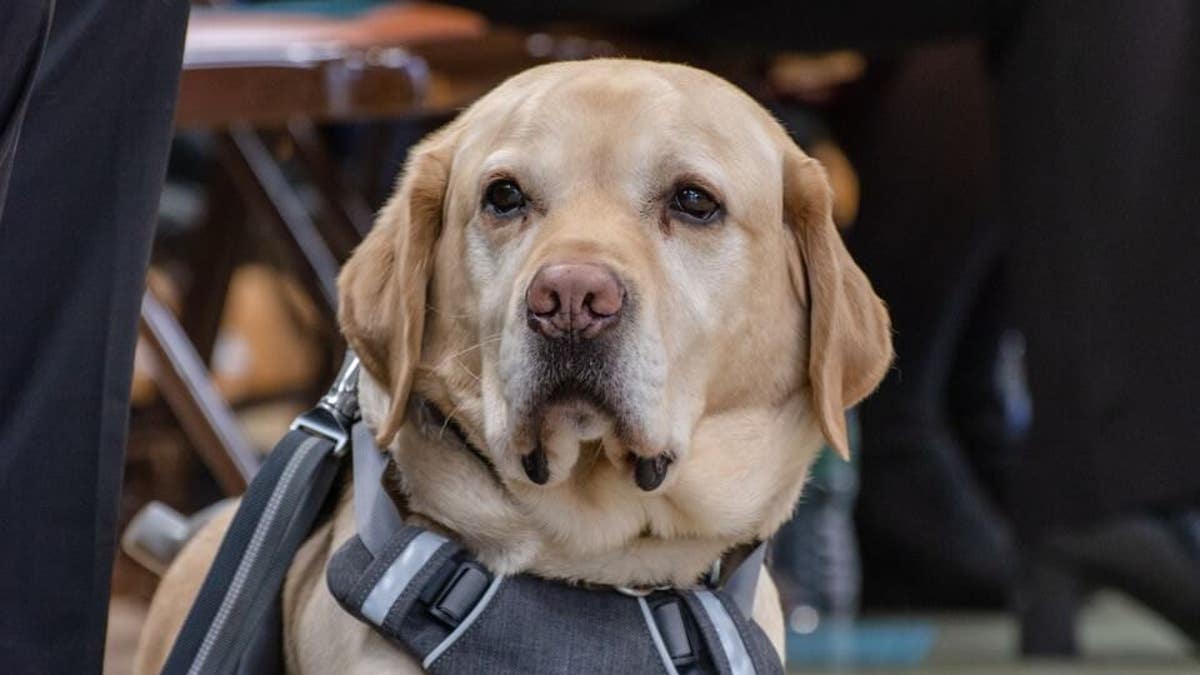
[{"x": 427, "y": 595}]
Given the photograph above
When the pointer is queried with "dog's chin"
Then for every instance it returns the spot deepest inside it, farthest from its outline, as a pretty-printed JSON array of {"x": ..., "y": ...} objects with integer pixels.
[{"x": 574, "y": 419}]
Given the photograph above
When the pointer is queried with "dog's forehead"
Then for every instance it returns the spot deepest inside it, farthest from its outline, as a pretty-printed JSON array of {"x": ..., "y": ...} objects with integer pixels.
[{"x": 625, "y": 109}]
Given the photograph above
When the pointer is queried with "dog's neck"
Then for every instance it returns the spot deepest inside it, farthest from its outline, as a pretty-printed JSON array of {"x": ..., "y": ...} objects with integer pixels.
[{"x": 431, "y": 419}]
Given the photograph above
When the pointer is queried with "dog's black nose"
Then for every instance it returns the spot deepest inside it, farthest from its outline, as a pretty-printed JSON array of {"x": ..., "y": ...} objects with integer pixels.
[{"x": 574, "y": 300}]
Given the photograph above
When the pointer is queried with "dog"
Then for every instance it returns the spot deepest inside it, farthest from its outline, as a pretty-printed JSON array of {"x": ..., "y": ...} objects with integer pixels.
[{"x": 621, "y": 281}]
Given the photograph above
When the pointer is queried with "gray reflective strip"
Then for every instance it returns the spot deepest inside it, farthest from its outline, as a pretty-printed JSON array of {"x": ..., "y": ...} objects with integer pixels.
[
  {"x": 731, "y": 641},
  {"x": 742, "y": 586},
  {"x": 253, "y": 549},
  {"x": 652, "y": 626},
  {"x": 466, "y": 623},
  {"x": 374, "y": 511},
  {"x": 399, "y": 575}
]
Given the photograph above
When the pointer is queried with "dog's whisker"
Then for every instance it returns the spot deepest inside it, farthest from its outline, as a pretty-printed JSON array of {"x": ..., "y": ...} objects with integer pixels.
[
  {"x": 454, "y": 357},
  {"x": 466, "y": 370},
  {"x": 446, "y": 421},
  {"x": 485, "y": 341},
  {"x": 435, "y": 310}
]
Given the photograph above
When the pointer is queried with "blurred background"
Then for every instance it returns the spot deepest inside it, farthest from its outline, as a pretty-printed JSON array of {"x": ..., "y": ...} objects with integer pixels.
[{"x": 948, "y": 129}]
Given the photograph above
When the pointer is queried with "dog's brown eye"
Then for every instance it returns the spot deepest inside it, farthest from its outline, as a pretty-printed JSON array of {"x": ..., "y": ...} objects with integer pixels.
[
  {"x": 695, "y": 204},
  {"x": 503, "y": 197}
]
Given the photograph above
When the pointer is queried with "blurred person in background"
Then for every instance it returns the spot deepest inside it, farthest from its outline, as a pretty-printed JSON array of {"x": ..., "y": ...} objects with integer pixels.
[
  {"x": 1099, "y": 103},
  {"x": 920, "y": 127},
  {"x": 87, "y": 92},
  {"x": 1099, "y": 161}
]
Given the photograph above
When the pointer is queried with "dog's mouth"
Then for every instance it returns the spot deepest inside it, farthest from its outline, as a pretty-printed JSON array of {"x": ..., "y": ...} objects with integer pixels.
[
  {"x": 556, "y": 423},
  {"x": 575, "y": 414},
  {"x": 588, "y": 414}
]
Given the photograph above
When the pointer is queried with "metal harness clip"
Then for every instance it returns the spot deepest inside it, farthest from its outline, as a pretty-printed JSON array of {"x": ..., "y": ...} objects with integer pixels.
[{"x": 337, "y": 411}]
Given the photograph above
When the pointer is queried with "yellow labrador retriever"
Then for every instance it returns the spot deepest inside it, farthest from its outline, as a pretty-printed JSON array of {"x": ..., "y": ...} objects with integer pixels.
[{"x": 621, "y": 280}]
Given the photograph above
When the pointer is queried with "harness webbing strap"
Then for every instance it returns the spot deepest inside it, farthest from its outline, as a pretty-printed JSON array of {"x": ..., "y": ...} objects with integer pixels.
[
  {"x": 656, "y": 636},
  {"x": 275, "y": 516},
  {"x": 375, "y": 513},
  {"x": 399, "y": 575},
  {"x": 728, "y": 636},
  {"x": 742, "y": 584}
]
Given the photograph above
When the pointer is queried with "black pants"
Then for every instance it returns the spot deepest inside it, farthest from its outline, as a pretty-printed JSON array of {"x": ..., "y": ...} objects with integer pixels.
[
  {"x": 936, "y": 451},
  {"x": 85, "y": 131},
  {"x": 921, "y": 131},
  {"x": 1100, "y": 103}
]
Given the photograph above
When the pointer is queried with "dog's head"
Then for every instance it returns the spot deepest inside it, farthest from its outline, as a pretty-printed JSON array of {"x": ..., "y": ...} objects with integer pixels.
[{"x": 623, "y": 280}]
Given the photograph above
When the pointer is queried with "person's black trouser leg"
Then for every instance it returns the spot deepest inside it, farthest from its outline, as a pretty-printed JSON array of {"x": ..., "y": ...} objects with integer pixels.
[
  {"x": 928, "y": 531},
  {"x": 83, "y": 183},
  {"x": 1101, "y": 103},
  {"x": 25, "y": 29}
]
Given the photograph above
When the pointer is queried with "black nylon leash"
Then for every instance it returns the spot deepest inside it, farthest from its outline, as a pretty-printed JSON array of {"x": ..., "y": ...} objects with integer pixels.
[{"x": 275, "y": 516}]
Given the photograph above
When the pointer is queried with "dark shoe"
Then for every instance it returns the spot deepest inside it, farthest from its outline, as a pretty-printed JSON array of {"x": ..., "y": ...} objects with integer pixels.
[
  {"x": 929, "y": 534},
  {"x": 1154, "y": 559}
]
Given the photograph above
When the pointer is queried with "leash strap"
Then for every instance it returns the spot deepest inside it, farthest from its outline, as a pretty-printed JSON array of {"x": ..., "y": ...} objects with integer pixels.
[{"x": 274, "y": 518}]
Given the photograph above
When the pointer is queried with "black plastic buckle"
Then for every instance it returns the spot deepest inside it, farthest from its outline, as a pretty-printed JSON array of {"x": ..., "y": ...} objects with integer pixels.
[
  {"x": 461, "y": 593},
  {"x": 677, "y": 635}
]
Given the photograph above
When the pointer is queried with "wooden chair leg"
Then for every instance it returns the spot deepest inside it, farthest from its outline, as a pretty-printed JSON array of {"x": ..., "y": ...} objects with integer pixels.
[
  {"x": 264, "y": 186},
  {"x": 212, "y": 262},
  {"x": 350, "y": 217},
  {"x": 187, "y": 387}
]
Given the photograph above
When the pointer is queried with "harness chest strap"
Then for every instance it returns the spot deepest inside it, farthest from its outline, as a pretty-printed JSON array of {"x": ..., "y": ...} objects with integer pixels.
[{"x": 425, "y": 594}]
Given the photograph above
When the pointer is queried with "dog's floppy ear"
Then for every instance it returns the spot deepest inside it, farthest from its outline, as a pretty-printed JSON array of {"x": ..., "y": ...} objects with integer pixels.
[
  {"x": 850, "y": 341},
  {"x": 383, "y": 285}
]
